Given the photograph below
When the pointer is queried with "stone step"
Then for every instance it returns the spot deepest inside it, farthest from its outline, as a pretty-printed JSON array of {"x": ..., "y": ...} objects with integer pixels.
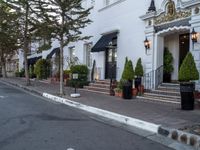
[
  {"x": 165, "y": 92},
  {"x": 103, "y": 82},
  {"x": 171, "y": 84},
  {"x": 169, "y": 88},
  {"x": 91, "y": 88},
  {"x": 162, "y": 96},
  {"x": 153, "y": 99},
  {"x": 100, "y": 92},
  {"x": 99, "y": 85}
]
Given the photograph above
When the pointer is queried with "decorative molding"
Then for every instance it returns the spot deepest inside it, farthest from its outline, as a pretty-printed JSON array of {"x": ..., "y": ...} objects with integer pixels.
[
  {"x": 164, "y": 18},
  {"x": 180, "y": 7}
]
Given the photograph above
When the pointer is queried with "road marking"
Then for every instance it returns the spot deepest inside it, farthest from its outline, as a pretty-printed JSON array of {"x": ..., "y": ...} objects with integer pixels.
[
  {"x": 2, "y": 96},
  {"x": 70, "y": 149}
]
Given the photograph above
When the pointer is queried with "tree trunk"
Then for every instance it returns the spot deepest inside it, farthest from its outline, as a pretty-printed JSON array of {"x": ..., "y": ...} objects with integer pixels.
[
  {"x": 61, "y": 57},
  {"x": 61, "y": 68},
  {"x": 26, "y": 68},
  {"x": 26, "y": 47},
  {"x": 4, "y": 69}
]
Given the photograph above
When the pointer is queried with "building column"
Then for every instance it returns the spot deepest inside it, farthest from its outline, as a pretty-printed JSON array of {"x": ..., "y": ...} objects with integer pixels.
[{"x": 195, "y": 47}]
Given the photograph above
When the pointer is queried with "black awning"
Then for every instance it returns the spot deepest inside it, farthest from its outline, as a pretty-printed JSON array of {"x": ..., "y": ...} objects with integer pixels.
[
  {"x": 184, "y": 22},
  {"x": 32, "y": 61},
  {"x": 103, "y": 42},
  {"x": 55, "y": 50}
]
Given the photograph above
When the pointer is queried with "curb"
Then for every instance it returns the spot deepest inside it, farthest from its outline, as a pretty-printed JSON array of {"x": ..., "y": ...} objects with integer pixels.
[
  {"x": 21, "y": 86},
  {"x": 107, "y": 114},
  {"x": 181, "y": 136}
]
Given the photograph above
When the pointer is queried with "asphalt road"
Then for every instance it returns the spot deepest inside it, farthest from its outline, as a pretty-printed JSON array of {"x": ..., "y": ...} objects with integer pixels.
[{"x": 29, "y": 122}]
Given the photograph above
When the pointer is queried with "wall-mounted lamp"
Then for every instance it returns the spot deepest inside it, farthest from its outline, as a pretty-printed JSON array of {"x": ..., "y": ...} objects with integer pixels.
[
  {"x": 194, "y": 36},
  {"x": 146, "y": 44}
]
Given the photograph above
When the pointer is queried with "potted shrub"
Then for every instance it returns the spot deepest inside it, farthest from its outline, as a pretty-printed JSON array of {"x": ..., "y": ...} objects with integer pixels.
[
  {"x": 168, "y": 67},
  {"x": 128, "y": 76},
  {"x": 138, "y": 73},
  {"x": 134, "y": 92},
  {"x": 118, "y": 92},
  {"x": 188, "y": 72}
]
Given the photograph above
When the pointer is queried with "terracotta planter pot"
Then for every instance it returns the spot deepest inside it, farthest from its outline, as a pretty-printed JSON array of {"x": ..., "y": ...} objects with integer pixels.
[
  {"x": 134, "y": 92},
  {"x": 118, "y": 94},
  {"x": 141, "y": 89}
]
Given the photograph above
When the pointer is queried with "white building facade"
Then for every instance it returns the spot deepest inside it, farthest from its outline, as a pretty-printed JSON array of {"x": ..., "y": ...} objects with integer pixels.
[
  {"x": 125, "y": 24},
  {"x": 120, "y": 27}
]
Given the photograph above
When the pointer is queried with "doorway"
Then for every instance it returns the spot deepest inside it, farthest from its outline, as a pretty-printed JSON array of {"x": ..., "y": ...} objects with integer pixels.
[
  {"x": 111, "y": 63},
  {"x": 184, "y": 45}
]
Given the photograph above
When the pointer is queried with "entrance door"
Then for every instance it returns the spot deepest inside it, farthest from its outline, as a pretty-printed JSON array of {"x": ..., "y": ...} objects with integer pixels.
[
  {"x": 184, "y": 44},
  {"x": 111, "y": 63}
]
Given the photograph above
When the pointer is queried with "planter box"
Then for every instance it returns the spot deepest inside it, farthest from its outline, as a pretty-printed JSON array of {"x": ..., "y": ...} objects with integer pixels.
[
  {"x": 134, "y": 92},
  {"x": 118, "y": 94},
  {"x": 187, "y": 96}
]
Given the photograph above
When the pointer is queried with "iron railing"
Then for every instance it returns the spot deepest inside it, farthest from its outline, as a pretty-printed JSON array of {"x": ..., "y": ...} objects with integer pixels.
[{"x": 153, "y": 79}]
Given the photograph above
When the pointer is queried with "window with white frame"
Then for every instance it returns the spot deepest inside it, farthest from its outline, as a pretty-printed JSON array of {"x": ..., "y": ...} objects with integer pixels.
[
  {"x": 87, "y": 54},
  {"x": 72, "y": 52},
  {"x": 107, "y": 2}
]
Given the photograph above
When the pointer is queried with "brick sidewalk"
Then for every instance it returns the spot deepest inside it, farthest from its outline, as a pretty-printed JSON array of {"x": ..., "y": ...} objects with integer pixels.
[{"x": 168, "y": 115}]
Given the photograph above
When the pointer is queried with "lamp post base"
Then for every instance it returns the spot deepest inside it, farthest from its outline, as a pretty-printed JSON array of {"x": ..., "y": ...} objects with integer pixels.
[{"x": 75, "y": 95}]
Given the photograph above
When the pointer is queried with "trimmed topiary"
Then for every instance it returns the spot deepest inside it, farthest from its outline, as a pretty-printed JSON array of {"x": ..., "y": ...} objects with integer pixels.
[
  {"x": 139, "y": 68},
  {"x": 82, "y": 71},
  {"x": 42, "y": 69},
  {"x": 168, "y": 59},
  {"x": 188, "y": 70},
  {"x": 126, "y": 62},
  {"x": 128, "y": 73}
]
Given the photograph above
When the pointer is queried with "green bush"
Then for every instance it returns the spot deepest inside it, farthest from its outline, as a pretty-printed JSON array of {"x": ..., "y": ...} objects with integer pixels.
[
  {"x": 139, "y": 68},
  {"x": 82, "y": 71},
  {"x": 188, "y": 70},
  {"x": 66, "y": 74},
  {"x": 168, "y": 59},
  {"x": 42, "y": 69},
  {"x": 20, "y": 73},
  {"x": 17, "y": 74},
  {"x": 31, "y": 72},
  {"x": 128, "y": 73}
]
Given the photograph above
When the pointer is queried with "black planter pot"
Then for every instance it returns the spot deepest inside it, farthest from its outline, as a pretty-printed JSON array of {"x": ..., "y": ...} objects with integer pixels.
[
  {"x": 167, "y": 77},
  {"x": 187, "y": 96},
  {"x": 127, "y": 90},
  {"x": 138, "y": 81}
]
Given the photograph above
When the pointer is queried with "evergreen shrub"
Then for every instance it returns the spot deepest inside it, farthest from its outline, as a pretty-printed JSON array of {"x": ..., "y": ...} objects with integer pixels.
[
  {"x": 82, "y": 71},
  {"x": 168, "y": 59},
  {"x": 139, "y": 68},
  {"x": 42, "y": 69},
  {"x": 188, "y": 70}
]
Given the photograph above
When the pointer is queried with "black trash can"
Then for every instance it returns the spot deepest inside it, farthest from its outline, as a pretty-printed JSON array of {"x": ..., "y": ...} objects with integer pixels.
[
  {"x": 127, "y": 90},
  {"x": 187, "y": 96}
]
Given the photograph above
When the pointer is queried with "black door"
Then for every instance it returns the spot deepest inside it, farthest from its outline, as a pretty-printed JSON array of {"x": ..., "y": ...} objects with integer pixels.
[
  {"x": 184, "y": 45},
  {"x": 111, "y": 64}
]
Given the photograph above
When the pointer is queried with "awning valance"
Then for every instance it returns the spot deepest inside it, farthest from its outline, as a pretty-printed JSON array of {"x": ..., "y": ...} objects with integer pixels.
[
  {"x": 55, "y": 50},
  {"x": 32, "y": 61},
  {"x": 103, "y": 42}
]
